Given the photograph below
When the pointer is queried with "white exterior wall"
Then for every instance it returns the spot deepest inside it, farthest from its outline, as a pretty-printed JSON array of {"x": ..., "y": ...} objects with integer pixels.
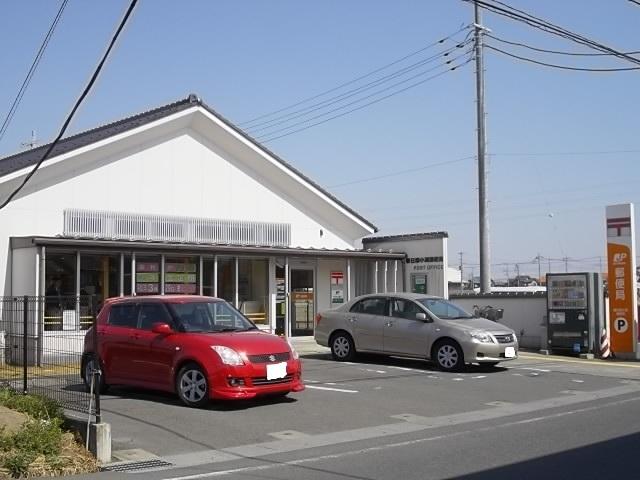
[
  {"x": 525, "y": 315},
  {"x": 23, "y": 271},
  {"x": 437, "y": 283},
  {"x": 323, "y": 288},
  {"x": 178, "y": 174}
]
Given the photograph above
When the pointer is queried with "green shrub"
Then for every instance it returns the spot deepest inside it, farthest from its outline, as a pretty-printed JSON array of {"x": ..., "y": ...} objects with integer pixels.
[
  {"x": 35, "y": 406},
  {"x": 18, "y": 463},
  {"x": 39, "y": 437}
]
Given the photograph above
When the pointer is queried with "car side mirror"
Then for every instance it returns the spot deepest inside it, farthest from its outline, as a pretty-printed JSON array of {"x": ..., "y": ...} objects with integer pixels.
[
  {"x": 422, "y": 316},
  {"x": 162, "y": 329}
]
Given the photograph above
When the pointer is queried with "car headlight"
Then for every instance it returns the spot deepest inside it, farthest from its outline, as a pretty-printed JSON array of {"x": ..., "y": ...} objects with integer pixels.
[
  {"x": 228, "y": 355},
  {"x": 482, "y": 337}
]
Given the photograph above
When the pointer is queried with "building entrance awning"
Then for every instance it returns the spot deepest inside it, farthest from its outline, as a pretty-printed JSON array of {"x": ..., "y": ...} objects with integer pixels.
[{"x": 119, "y": 245}]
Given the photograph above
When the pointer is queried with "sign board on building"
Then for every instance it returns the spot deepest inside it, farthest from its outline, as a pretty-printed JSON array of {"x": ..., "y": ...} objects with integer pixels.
[
  {"x": 622, "y": 282},
  {"x": 337, "y": 287}
]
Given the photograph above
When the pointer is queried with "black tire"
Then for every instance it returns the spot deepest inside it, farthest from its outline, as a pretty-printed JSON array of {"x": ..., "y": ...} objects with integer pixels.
[
  {"x": 88, "y": 364},
  {"x": 192, "y": 386},
  {"x": 342, "y": 347},
  {"x": 448, "y": 356}
]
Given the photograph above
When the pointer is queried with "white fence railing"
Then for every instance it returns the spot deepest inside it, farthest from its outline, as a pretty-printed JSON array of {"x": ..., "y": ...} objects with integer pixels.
[{"x": 162, "y": 228}]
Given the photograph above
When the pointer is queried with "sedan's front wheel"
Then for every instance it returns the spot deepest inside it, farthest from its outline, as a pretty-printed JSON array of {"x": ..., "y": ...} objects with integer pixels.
[
  {"x": 342, "y": 347},
  {"x": 192, "y": 386},
  {"x": 449, "y": 356}
]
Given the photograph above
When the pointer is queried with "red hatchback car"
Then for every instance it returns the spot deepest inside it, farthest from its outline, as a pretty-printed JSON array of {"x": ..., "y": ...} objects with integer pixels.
[{"x": 201, "y": 348}]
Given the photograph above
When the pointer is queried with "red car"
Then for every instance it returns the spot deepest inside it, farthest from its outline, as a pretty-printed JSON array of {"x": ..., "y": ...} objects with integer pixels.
[{"x": 201, "y": 348}]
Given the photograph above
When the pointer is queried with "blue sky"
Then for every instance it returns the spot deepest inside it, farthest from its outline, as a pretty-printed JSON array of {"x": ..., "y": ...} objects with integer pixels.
[{"x": 247, "y": 58}]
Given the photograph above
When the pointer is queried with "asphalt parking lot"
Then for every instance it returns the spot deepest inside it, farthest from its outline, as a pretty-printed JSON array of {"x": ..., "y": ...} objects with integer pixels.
[{"x": 345, "y": 402}]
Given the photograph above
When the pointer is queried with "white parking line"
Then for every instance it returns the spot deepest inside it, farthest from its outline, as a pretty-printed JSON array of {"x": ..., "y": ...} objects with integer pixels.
[
  {"x": 403, "y": 368},
  {"x": 480, "y": 376},
  {"x": 457, "y": 379},
  {"x": 343, "y": 390},
  {"x": 577, "y": 381},
  {"x": 536, "y": 369}
]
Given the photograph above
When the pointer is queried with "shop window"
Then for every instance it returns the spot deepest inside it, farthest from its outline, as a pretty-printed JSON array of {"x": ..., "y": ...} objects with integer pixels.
[
  {"x": 227, "y": 278},
  {"x": 60, "y": 291},
  {"x": 253, "y": 289},
  {"x": 99, "y": 279},
  {"x": 147, "y": 275},
  {"x": 181, "y": 275},
  {"x": 207, "y": 277},
  {"x": 126, "y": 287}
]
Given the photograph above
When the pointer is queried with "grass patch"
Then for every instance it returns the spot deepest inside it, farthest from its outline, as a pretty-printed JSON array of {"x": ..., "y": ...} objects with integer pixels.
[{"x": 40, "y": 447}]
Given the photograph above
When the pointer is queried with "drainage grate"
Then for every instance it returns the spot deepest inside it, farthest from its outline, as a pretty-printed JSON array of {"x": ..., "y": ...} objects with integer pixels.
[{"x": 136, "y": 466}]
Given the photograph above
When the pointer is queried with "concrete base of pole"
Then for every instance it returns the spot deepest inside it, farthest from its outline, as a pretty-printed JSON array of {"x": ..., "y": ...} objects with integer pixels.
[
  {"x": 544, "y": 352},
  {"x": 100, "y": 441},
  {"x": 587, "y": 356}
]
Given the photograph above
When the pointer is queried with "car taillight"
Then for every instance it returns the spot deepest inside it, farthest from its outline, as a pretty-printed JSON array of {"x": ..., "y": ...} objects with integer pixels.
[{"x": 318, "y": 318}]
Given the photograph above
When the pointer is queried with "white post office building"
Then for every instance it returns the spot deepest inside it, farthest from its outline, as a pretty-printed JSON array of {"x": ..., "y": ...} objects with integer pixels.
[{"x": 177, "y": 200}]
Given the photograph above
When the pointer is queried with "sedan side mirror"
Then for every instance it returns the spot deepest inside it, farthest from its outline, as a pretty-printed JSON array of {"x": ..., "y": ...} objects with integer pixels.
[
  {"x": 162, "y": 328},
  {"x": 421, "y": 316}
]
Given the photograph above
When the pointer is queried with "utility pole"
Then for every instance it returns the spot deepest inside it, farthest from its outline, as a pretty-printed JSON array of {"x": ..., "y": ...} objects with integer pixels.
[
  {"x": 507, "y": 271},
  {"x": 517, "y": 275},
  {"x": 461, "y": 272},
  {"x": 538, "y": 258},
  {"x": 549, "y": 264},
  {"x": 566, "y": 264},
  {"x": 485, "y": 260},
  {"x": 33, "y": 141}
]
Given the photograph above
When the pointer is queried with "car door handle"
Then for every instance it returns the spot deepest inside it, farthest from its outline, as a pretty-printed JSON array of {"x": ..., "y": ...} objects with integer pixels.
[
  {"x": 389, "y": 324},
  {"x": 353, "y": 319}
]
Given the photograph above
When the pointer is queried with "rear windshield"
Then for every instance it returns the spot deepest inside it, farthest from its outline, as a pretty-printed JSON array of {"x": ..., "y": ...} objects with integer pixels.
[
  {"x": 209, "y": 317},
  {"x": 444, "y": 310}
]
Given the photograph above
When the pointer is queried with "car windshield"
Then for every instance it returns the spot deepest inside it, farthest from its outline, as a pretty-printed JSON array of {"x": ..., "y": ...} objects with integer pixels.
[
  {"x": 210, "y": 317},
  {"x": 444, "y": 310}
]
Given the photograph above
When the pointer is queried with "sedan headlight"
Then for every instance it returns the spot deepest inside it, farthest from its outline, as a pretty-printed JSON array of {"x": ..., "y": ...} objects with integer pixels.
[
  {"x": 482, "y": 337},
  {"x": 228, "y": 355}
]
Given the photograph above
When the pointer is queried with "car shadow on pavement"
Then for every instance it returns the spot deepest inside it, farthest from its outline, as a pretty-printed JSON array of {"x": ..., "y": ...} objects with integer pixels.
[
  {"x": 405, "y": 362},
  {"x": 132, "y": 393}
]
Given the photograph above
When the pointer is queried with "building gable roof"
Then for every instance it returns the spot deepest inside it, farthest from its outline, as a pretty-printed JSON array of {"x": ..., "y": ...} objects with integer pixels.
[{"x": 19, "y": 161}]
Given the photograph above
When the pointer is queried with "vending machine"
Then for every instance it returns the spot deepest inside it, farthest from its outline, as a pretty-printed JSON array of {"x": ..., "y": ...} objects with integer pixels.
[{"x": 575, "y": 311}]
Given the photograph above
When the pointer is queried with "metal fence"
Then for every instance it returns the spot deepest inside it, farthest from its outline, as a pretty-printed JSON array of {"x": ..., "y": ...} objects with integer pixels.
[{"x": 41, "y": 345}]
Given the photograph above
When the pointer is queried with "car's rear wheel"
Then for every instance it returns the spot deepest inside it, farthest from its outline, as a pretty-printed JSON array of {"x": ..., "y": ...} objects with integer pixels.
[
  {"x": 192, "y": 386},
  {"x": 448, "y": 356},
  {"x": 342, "y": 347},
  {"x": 89, "y": 366}
]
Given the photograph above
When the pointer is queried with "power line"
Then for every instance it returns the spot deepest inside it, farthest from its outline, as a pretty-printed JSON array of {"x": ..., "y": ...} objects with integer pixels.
[
  {"x": 266, "y": 125},
  {"x": 555, "y": 52},
  {"x": 402, "y": 172},
  {"x": 350, "y": 82},
  {"x": 77, "y": 104},
  {"x": 32, "y": 70},
  {"x": 562, "y": 67},
  {"x": 450, "y": 69},
  {"x": 548, "y": 27}
]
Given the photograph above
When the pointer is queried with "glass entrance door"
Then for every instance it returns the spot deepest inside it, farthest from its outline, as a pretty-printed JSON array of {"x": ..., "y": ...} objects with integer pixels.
[{"x": 302, "y": 301}]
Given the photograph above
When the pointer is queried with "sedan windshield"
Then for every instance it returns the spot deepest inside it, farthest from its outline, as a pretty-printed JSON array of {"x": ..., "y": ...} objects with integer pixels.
[
  {"x": 210, "y": 317},
  {"x": 444, "y": 310}
]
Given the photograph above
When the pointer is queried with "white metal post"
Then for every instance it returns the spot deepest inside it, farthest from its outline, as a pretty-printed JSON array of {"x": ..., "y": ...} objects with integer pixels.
[
  {"x": 162, "y": 260},
  {"x": 201, "y": 275},
  {"x": 133, "y": 273},
  {"x": 215, "y": 275},
  {"x": 121, "y": 287},
  {"x": 348, "y": 279}
]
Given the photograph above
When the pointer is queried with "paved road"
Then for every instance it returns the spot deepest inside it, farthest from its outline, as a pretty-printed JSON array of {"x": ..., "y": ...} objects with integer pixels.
[{"x": 398, "y": 418}]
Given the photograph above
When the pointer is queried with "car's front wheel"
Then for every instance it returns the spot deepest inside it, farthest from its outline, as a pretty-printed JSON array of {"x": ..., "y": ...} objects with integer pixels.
[
  {"x": 192, "y": 386},
  {"x": 342, "y": 347},
  {"x": 448, "y": 356}
]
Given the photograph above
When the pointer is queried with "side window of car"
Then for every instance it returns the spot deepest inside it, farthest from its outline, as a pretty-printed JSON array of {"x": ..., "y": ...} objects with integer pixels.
[
  {"x": 373, "y": 306},
  {"x": 404, "y": 309},
  {"x": 124, "y": 315},
  {"x": 151, "y": 313}
]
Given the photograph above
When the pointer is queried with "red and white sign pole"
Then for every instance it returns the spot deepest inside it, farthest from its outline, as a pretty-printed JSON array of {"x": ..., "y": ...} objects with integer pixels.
[{"x": 622, "y": 282}]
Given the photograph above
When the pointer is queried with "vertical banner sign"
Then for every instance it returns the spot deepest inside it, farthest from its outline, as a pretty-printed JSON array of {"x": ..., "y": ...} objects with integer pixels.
[
  {"x": 622, "y": 282},
  {"x": 337, "y": 288}
]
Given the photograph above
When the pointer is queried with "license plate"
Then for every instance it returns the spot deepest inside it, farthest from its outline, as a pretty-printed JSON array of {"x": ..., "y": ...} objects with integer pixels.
[
  {"x": 276, "y": 370},
  {"x": 509, "y": 352}
]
